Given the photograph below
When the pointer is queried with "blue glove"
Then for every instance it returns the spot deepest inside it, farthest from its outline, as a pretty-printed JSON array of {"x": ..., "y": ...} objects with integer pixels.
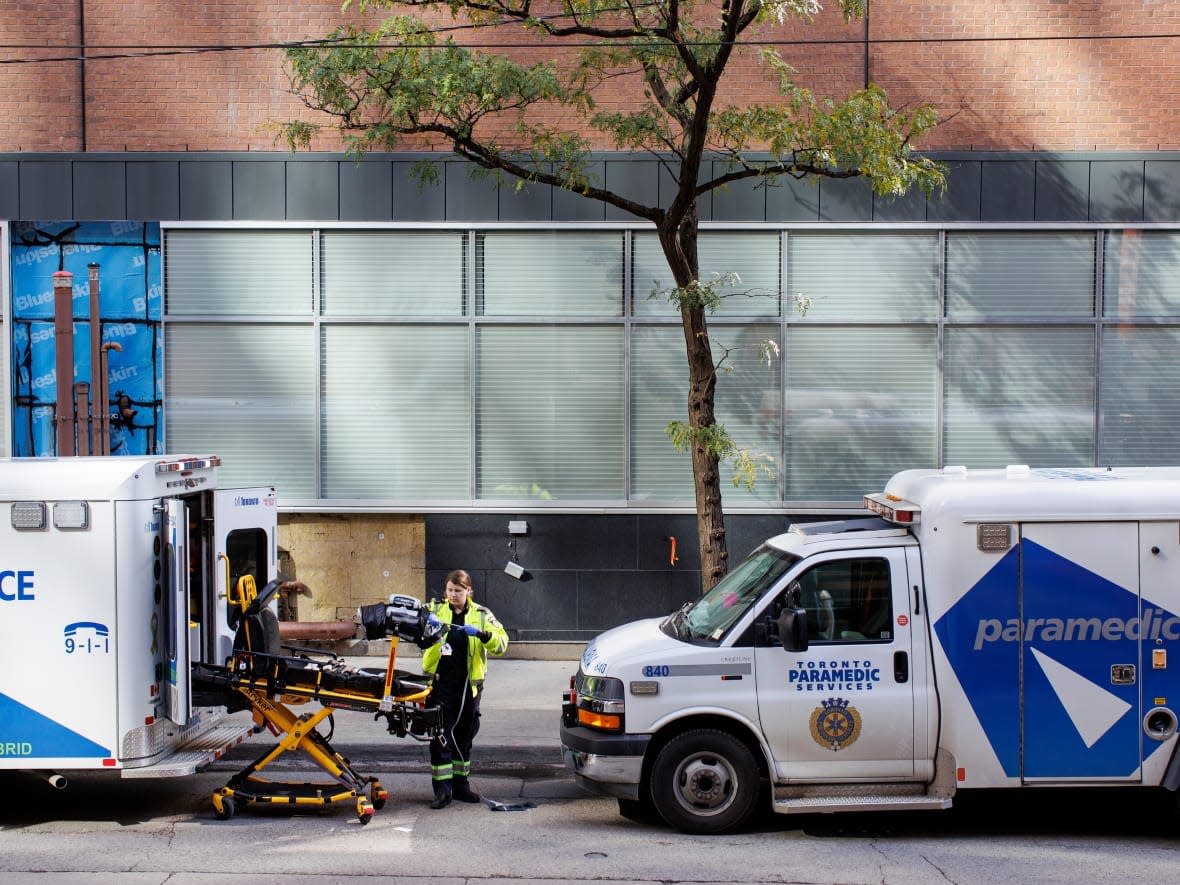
[{"x": 469, "y": 629}]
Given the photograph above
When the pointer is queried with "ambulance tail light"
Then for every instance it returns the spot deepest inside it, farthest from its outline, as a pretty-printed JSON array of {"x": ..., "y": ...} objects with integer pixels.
[{"x": 892, "y": 508}]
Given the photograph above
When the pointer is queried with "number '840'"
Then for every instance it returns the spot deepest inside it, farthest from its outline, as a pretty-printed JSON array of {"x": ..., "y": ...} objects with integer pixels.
[{"x": 658, "y": 670}]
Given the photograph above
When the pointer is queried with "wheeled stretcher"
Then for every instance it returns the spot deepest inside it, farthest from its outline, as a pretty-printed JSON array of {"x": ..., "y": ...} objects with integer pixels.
[{"x": 260, "y": 677}]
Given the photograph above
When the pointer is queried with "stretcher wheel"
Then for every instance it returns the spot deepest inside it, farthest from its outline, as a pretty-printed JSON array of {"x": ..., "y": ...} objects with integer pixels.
[
  {"x": 364, "y": 811},
  {"x": 226, "y": 811},
  {"x": 380, "y": 797}
]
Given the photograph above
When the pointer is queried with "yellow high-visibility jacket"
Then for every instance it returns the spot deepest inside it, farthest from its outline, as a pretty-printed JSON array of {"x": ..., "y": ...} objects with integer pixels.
[{"x": 477, "y": 652}]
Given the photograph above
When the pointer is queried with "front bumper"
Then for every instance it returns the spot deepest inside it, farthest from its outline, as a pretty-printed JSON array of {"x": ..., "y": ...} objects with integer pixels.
[{"x": 606, "y": 764}]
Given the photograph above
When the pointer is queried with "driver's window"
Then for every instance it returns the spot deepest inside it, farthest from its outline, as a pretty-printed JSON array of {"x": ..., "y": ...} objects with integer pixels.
[{"x": 847, "y": 600}]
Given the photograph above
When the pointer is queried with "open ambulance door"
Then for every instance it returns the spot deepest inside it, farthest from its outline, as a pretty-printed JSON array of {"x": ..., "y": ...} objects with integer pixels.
[
  {"x": 245, "y": 538},
  {"x": 174, "y": 527}
]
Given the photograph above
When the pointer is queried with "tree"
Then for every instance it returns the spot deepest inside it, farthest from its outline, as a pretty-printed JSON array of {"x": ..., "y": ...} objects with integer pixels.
[{"x": 397, "y": 84}]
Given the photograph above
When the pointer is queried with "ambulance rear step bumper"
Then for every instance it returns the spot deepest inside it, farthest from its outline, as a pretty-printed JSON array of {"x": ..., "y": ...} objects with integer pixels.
[
  {"x": 198, "y": 753},
  {"x": 825, "y": 804}
]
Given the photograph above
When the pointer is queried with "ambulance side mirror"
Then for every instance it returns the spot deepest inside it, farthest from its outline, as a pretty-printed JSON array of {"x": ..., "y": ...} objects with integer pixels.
[{"x": 792, "y": 629}]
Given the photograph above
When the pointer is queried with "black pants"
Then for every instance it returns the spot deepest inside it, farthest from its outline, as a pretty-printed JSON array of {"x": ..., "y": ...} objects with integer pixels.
[{"x": 450, "y": 752}]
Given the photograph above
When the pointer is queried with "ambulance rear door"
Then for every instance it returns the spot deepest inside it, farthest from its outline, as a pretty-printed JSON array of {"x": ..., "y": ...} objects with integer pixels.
[{"x": 245, "y": 538}]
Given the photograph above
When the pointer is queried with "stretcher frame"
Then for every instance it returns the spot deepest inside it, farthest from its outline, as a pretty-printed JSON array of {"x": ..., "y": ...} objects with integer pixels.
[{"x": 268, "y": 682}]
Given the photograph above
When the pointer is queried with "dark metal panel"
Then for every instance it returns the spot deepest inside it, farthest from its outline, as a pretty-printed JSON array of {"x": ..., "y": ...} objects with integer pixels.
[
  {"x": 635, "y": 179},
  {"x": 470, "y": 198},
  {"x": 206, "y": 190},
  {"x": 45, "y": 190},
  {"x": 960, "y": 200},
  {"x": 792, "y": 199},
  {"x": 533, "y": 202},
  {"x": 1007, "y": 190},
  {"x": 414, "y": 201},
  {"x": 1062, "y": 190},
  {"x": 743, "y": 200},
  {"x": 607, "y": 599},
  {"x": 845, "y": 199},
  {"x": 1161, "y": 190},
  {"x": 313, "y": 190},
  {"x": 1116, "y": 191},
  {"x": 153, "y": 190},
  {"x": 541, "y": 607},
  {"x": 259, "y": 192},
  {"x": 568, "y": 206},
  {"x": 9, "y": 191},
  {"x": 366, "y": 191},
  {"x": 909, "y": 207},
  {"x": 100, "y": 191}
]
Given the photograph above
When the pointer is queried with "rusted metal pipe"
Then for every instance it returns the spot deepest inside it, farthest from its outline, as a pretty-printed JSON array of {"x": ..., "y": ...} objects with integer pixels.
[
  {"x": 334, "y": 630},
  {"x": 63, "y": 336}
]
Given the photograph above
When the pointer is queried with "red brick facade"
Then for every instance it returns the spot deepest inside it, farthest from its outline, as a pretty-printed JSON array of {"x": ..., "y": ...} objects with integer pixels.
[{"x": 1007, "y": 74}]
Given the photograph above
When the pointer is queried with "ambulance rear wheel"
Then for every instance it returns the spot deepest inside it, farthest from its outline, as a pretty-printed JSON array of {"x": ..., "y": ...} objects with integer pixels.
[{"x": 705, "y": 781}]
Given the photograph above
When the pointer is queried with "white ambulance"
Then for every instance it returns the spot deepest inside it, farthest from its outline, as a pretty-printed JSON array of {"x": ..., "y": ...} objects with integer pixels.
[
  {"x": 984, "y": 629},
  {"x": 114, "y": 573}
]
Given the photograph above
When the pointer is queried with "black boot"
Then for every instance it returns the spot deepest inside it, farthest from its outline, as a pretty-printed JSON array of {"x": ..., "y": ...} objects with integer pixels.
[
  {"x": 442, "y": 794},
  {"x": 462, "y": 791}
]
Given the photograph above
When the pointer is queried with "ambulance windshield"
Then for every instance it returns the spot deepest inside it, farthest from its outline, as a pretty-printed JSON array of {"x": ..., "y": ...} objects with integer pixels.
[{"x": 710, "y": 616}]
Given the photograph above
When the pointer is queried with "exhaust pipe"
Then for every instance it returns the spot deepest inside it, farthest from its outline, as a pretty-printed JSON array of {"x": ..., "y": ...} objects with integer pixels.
[{"x": 55, "y": 780}]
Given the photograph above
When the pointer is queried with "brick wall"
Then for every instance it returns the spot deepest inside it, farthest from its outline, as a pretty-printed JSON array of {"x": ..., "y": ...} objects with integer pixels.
[{"x": 1067, "y": 93}]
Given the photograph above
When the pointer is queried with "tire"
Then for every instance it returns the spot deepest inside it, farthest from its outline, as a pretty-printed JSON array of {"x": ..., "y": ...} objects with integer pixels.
[
  {"x": 227, "y": 809},
  {"x": 705, "y": 782}
]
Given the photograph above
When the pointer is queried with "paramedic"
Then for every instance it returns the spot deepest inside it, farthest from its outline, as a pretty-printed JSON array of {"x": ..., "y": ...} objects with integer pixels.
[{"x": 458, "y": 662}]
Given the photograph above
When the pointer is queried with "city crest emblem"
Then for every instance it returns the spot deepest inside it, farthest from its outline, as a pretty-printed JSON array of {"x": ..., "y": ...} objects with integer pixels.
[{"x": 835, "y": 724}]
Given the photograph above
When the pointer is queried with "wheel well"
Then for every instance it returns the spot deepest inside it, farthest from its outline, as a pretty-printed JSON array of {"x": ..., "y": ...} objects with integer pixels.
[{"x": 720, "y": 723}]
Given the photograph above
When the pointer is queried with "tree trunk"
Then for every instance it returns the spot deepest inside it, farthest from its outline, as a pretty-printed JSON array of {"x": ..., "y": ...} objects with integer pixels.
[{"x": 680, "y": 250}]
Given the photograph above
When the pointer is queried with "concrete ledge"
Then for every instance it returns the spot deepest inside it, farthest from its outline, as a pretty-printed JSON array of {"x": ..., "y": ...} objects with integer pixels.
[{"x": 407, "y": 651}]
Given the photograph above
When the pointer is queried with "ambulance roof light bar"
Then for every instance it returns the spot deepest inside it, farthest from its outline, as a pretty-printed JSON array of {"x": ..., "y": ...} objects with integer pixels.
[
  {"x": 892, "y": 508},
  {"x": 187, "y": 465}
]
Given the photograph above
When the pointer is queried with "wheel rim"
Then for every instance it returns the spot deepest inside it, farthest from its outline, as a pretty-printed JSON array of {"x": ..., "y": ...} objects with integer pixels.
[{"x": 705, "y": 783}]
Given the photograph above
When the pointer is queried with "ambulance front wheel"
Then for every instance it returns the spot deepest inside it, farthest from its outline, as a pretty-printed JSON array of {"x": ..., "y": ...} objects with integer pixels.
[{"x": 705, "y": 781}]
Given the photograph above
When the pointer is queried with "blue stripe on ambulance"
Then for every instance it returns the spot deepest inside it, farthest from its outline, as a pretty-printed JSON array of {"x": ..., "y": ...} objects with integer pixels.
[
  {"x": 31, "y": 735},
  {"x": 1076, "y": 722}
]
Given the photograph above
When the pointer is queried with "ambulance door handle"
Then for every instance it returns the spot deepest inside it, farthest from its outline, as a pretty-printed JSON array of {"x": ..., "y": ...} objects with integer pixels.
[
  {"x": 901, "y": 667},
  {"x": 917, "y": 601}
]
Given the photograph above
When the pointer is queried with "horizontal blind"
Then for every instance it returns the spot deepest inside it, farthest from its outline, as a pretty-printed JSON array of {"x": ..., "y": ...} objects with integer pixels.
[
  {"x": 860, "y": 404},
  {"x": 246, "y": 393},
  {"x": 547, "y": 273},
  {"x": 1140, "y": 396},
  {"x": 1025, "y": 273},
  {"x": 393, "y": 273},
  {"x": 1141, "y": 273},
  {"x": 1019, "y": 395},
  {"x": 862, "y": 276},
  {"x": 549, "y": 412},
  {"x": 238, "y": 272},
  {"x": 746, "y": 404},
  {"x": 755, "y": 257},
  {"x": 395, "y": 415}
]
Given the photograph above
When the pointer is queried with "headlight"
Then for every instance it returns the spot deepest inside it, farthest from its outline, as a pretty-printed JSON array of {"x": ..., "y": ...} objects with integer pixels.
[{"x": 600, "y": 702}]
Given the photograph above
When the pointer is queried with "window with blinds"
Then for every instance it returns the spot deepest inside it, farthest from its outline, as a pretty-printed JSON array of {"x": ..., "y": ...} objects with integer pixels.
[
  {"x": 395, "y": 416},
  {"x": 394, "y": 273},
  {"x": 1140, "y": 395},
  {"x": 549, "y": 412},
  {"x": 246, "y": 392},
  {"x": 746, "y": 404},
  {"x": 548, "y": 273},
  {"x": 861, "y": 277},
  {"x": 1019, "y": 395},
  {"x": 860, "y": 404},
  {"x": 756, "y": 258},
  {"x": 1019, "y": 274},
  {"x": 1141, "y": 273},
  {"x": 237, "y": 273}
]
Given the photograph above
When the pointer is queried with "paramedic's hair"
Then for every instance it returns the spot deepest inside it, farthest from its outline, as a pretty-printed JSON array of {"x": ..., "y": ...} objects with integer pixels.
[{"x": 460, "y": 577}]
